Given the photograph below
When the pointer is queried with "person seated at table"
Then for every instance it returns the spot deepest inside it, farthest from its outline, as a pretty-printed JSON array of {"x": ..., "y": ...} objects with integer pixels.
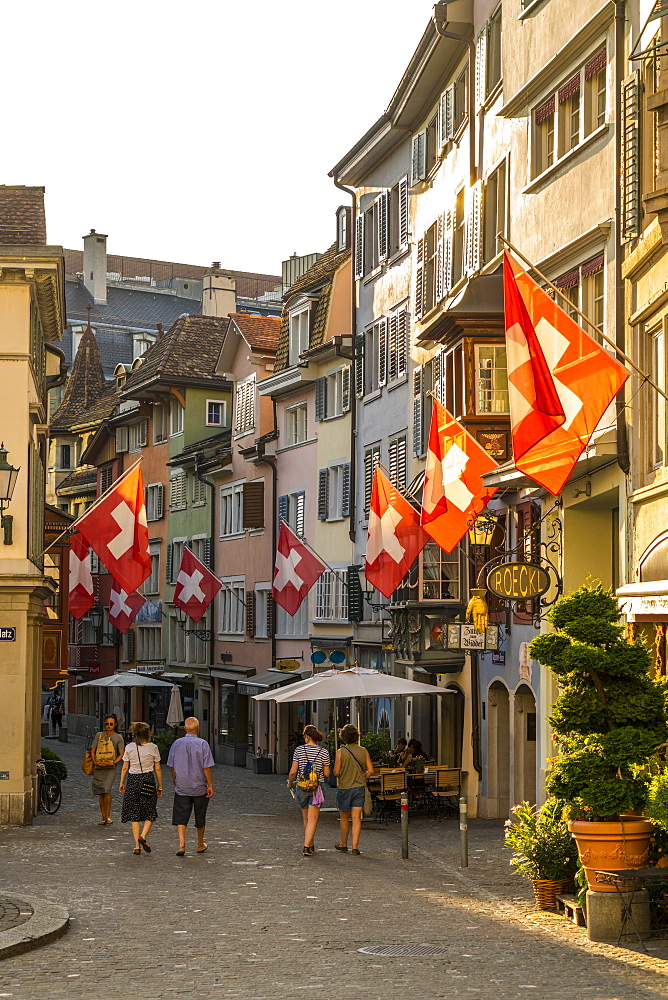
[
  {"x": 399, "y": 750},
  {"x": 414, "y": 752}
]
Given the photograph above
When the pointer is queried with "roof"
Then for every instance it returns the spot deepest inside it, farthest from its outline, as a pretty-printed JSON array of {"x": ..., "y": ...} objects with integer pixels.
[
  {"x": 221, "y": 441},
  {"x": 261, "y": 332},
  {"x": 22, "y": 218},
  {"x": 82, "y": 481},
  {"x": 189, "y": 350},
  {"x": 137, "y": 308},
  {"x": 103, "y": 408},
  {"x": 85, "y": 385}
]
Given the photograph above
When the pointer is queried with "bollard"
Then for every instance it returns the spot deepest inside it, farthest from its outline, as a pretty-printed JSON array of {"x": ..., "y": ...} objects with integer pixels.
[
  {"x": 464, "y": 831},
  {"x": 404, "y": 825}
]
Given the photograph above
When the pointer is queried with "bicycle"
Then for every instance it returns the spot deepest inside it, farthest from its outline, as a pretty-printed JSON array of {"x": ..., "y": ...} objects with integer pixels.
[{"x": 49, "y": 789}]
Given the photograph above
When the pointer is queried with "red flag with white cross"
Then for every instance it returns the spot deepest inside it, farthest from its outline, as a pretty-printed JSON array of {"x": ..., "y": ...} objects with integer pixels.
[
  {"x": 196, "y": 586},
  {"x": 81, "y": 598},
  {"x": 295, "y": 571},
  {"x": 395, "y": 537},
  {"x": 124, "y": 608},
  {"x": 454, "y": 491},
  {"x": 115, "y": 528}
]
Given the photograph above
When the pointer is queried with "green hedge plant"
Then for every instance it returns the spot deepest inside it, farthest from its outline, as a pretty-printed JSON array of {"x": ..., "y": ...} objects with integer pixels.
[{"x": 53, "y": 763}]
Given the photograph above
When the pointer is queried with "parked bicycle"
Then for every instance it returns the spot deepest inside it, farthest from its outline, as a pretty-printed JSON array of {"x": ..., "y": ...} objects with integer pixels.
[{"x": 49, "y": 789}]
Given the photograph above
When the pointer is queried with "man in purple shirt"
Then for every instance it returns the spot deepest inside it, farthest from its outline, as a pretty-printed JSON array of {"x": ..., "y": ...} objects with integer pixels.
[{"x": 191, "y": 760}]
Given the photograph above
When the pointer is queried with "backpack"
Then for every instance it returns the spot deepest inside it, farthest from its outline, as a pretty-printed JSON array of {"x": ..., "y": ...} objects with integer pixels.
[
  {"x": 105, "y": 752},
  {"x": 307, "y": 777}
]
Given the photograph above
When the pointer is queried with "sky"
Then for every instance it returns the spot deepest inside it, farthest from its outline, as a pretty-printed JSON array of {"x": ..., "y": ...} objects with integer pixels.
[{"x": 197, "y": 131}]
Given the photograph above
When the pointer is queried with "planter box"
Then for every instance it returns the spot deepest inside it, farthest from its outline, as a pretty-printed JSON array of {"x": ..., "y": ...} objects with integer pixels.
[{"x": 263, "y": 765}]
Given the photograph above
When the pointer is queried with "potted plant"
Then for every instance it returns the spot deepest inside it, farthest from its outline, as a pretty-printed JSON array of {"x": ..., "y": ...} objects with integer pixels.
[
  {"x": 608, "y": 719},
  {"x": 543, "y": 847},
  {"x": 262, "y": 762}
]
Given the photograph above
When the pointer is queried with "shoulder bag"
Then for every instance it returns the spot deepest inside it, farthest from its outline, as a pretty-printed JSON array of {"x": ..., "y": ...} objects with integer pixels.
[
  {"x": 368, "y": 804},
  {"x": 147, "y": 787},
  {"x": 87, "y": 764}
]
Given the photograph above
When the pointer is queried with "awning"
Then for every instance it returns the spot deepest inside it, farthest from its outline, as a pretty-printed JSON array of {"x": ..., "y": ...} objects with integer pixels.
[
  {"x": 231, "y": 673},
  {"x": 644, "y": 601},
  {"x": 178, "y": 677},
  {"x": 271, "y": 679}
]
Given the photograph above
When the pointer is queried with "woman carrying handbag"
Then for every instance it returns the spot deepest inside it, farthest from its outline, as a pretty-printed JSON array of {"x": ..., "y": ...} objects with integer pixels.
[
  {"x": 141, "y": 794},
  {"x": 352, "y": 767}
]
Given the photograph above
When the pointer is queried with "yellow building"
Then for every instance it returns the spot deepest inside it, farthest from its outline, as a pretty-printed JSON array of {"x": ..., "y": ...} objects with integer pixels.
[{"x": 32, "y": 311}]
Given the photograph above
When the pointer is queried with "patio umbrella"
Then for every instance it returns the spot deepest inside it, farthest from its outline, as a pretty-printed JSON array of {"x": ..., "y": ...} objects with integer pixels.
[
  {"x": 175, "y": 710},
  {"x": 126, "y": 679},
  {"x": 357, "y": 682}
]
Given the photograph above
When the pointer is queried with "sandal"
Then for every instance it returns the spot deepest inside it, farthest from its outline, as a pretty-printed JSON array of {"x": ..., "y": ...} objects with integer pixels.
[
  {"x": 356, "y": 850},
  {"x": 341, "y": 847},
  {"x": 144, "y": 845},
  {"x": 181, "y": 853},
  {"x": 137, "y": 850},
  {"x": 307, "y": 852},
  {"x": 102, "y": 822},
  {"x": 203, "y": 848}
]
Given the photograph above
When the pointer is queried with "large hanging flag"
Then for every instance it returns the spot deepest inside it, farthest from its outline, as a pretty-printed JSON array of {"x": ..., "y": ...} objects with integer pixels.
[
  {"x": 296, "y": 570},
  {"x": 196, "y": 586},
  {"x": 115, "y": 528},
  {"x": 81, "y": 596},
  {"x": 123, "y": 607},
  {"x": 454, "y": 491},
  {"x": 585, "y": 376},
  {"x": 395, "y": 537}
]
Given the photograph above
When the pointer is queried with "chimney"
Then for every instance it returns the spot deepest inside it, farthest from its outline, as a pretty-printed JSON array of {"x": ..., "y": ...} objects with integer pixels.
[
  {"x": 95, "y": 266},
  {"x": 219, "y": 296}
]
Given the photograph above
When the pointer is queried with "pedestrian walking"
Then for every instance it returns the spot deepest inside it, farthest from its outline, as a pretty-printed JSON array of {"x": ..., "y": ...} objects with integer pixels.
[
  {"x": 106, "y": 750},
  {"x": 310, "y": 767},
  {"x": 191, "y": 760},
  {"x": 57, "y": 707},
  {"x": 352, "y": 766},
  {"x": 141, "y": 793}
]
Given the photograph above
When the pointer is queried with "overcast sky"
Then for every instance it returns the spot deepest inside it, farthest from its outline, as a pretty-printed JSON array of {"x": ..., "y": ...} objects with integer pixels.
[{"x": 197, "y": 131}]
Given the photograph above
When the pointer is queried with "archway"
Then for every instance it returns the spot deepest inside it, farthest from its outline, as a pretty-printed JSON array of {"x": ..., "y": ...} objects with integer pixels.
[
  {"x": 498, "y": 750},
  {"x": 524, "y": 750},
  {"x": 452, "y": 728}
]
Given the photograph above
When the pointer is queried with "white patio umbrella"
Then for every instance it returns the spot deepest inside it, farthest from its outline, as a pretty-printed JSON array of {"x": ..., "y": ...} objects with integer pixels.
[
  {"x": 357, "y": 682},
  {"x": 126, "y": 679},
  {"x": 175, "y": 710}
]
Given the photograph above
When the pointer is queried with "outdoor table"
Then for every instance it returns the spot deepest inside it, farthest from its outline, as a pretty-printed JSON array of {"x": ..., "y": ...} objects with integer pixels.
[{"x": 630, "y": 881}]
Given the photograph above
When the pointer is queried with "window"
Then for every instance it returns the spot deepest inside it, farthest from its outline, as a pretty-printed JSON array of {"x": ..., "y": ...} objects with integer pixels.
[
  {"x": 440, "y": 573},
  {"x": 332, "y": 394},
  {"x": 178, "y": 496},
  {"x": 494, "y": 62},
  {"x": 175, "y": 417},
  {"x": 159, "y": 423},
  {"x": 295, "y": 424},
  {"x": 177, "y": 641},
  {"x": 460, "y": 98},
  {"x": 149, "y": 642},
  {"x": 152, "y": 583},
  {"x": 138, "y": 436},
  {"x": 201, "y": 547},
  {"x": 331, "y": 596},
  {"x": 334, "y": 492},
  {"x": 371, "y": 460},
  {"x": 342, "y": 228},
  {"x": 231, "y": 509},
  {"x": 291, "y": 508},
  {"x": 262, "y": 624},
  {"x": 289, "y": 626},
  {"x": 494, "y": 209},
  {"x": 382, "y": 229},
  {"x": 200, "y": 492},
  {"x": 397, "y": 346},
  {"x": 245, "y": 406},
  {"x": 216, "y": 415},
  {"x": 584, "y": 289},
  {"x": 174, "y": 562},
  {"x": 106, "y": 477},
  {"x": 398, "y": 217},
  {"x": 140, "y": 345},
  {"x": 253, "y": 504},
  {"x": 299, "y": 334},
  {"x": 492, "y": 370},
  {"x": 65, "y": 456},
  {"x": 231, "y": 606},
  {"x": 375, "y": 356},
  {"x": 154, "y": 494},
  {"x": 654, "y": 410},
  {"x": 458, "y": 236},
  {"x": 575, "y": 110},
  {"x": 397, "y": 460}
]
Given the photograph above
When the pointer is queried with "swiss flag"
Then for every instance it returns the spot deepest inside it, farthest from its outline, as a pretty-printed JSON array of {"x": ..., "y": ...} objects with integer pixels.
[
  {"x": 81, "y": 580},
  {"x": 395, "y": 537},
  {"x": 453, "y": 488},
  {"x": 585, "y": 377},
  {"x": 295, "y": 572},
  {"x": 196, "y": 586},
  {"x": 123, "y": 608},
  {"x": 115, "y": 528}
]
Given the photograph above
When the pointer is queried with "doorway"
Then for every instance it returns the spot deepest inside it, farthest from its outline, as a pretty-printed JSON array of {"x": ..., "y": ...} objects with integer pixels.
[{"x": 498, "y": 751}]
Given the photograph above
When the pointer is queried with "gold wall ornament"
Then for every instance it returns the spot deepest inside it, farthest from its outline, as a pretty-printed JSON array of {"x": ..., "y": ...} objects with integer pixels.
[{"x": 477, "y": 611}]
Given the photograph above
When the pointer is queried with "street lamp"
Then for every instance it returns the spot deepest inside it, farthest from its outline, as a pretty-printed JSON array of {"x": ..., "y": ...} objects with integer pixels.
[
  {"x": 482, "y": 528},
  {"x": 8, "y": 475},
  {"x": 96, "y": 616}
]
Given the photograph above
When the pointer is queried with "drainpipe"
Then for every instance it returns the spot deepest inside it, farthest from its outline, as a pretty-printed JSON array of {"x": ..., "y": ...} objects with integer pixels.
[
  {"x": 620, "y": 309},
  {"x": 439, "y": 18},
  {"x": 207, "y": 482}
]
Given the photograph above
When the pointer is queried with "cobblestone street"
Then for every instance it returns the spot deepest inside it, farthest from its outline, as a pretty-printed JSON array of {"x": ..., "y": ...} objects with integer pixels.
[{"x": 253, "y": 919}]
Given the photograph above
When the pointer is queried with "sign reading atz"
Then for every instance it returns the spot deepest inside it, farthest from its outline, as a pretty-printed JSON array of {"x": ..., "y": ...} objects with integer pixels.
[
  {"x": 518, "y": 581},
  {"x": 7, "y": 635}
]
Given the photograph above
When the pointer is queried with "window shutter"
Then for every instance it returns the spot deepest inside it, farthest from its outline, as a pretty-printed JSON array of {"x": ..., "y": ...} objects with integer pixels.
[
  {"x": 481, "y": 68},
  {"x": 473, "y": 230},
  {"x": 323, "y": 494},
  {"x": 320, "y": 398},
  {"x": 419, "y": 156},
  {"x": 392, "y": 461},
  {"x": 158, "y": 500},
  {"x": 418, "y": 418},
  {"x": 359, "y": 365},
  {"x": 130, "y": 646},
  {"x": 402, "y": 343},
  {"x": 382, "y": 353},
  {"x": 631, "y": 156},
  {"x": 383, "y": 231},
  {"x": 443, "y": 119},
  {"x": 253, "y": 504},
  {"x": 121, "y": 439},
  {"x": 392, "y": 326},
  {"x": 345, "y": 388},
  {"x": 447, "y": 252},
  {"x": 283, "y": 509},
  {"x": 371, "y": 459},
  {"x": 401, "y": 461},
  {"x": 169, "y": 562},
  {"x": 437, "y": 377},
  {"x": 439, "y": 259},
  {"x": 345, "y": 490},
  {"x": 403, "y": 211},
  {"x": 250, "y": 612},
  {"x": 206, "y": 552},
  {"x": 419, "y": 278},
  {"x": 299, "y": 513},
  {"x": 449, "y": 111},
  {"x": 359, "y": 246},
  {"x": 142, "y": 433},
  {"x": 270, "y": 616}
]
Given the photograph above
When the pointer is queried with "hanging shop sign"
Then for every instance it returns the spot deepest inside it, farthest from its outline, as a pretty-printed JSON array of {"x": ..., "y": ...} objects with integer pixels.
[
  {"x": 459, "y": 636},
  {"x": 518, "y": 581},
  {"x": 288, "y": 665}
]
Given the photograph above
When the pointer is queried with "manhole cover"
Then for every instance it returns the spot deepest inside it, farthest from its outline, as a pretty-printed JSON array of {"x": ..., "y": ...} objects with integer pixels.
[{"x": 405, "y": 950}]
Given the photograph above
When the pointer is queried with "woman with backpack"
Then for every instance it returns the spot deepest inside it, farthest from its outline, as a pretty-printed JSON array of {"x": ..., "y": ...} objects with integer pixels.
[
  {"x": 106, "y": 750},
  {"x": 352, "y": 766},
  {"x": 142, "y": 759},
  {"x": 310, "y": 767}
]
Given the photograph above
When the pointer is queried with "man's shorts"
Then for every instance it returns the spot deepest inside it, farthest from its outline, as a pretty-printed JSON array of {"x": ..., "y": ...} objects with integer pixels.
[{"x": 183, "y": 807}]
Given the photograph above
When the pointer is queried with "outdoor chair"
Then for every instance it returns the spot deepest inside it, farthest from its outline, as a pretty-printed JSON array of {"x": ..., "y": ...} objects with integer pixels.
[
  {"x": 445, "y": 790},
  {"x": 392, "y": 784}
]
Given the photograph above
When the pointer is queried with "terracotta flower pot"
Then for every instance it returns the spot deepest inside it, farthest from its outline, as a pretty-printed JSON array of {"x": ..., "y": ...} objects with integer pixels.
[
  {"x": 609, "y": 846},
  {"x": 546, "y": 891}
]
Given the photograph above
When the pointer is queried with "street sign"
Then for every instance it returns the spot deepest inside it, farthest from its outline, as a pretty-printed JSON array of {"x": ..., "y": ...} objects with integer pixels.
[
  {"x": 150, "y": 668},
  {"x": 518, "y": 581},
  {"x": 7, "y": 635}
]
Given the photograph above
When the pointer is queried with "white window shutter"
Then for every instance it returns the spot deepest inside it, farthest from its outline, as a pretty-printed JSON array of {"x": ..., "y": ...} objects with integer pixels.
[
  {"x": 382, "y": 353},
  {"x": 419, "y": 279},
  {"x": 403, "y": 211},
  {"x": 359, "y": 246},
  {"x": 392, "y": 461},
  {"x": 418, "y": 411},
  {"x": 449, "y": 112},
  {"x": 447, "y": 252},
  {"x": 481, "y": 67},
  {"x": 392, "y": 326},
  {"x": 345, "y": 389},
  {"x": 142, "y": 433},
  {"x": 402, "y": 343},
  {"x": 359, "y": 365},
  {"x": 630, "y": 156},
  {"x": 439, "y": 259},
  {"x": 121, "y": 439},
  {"x": 419, "y": 160},
  {"x": 473, "y": 230},
  {"x": 401, "y": 461},
  {"x": 443, "y": 119},
  {"x": 159, "y": 500},
  {"x": 382, "y": 216},
  {"x": 437, "y": 377}
]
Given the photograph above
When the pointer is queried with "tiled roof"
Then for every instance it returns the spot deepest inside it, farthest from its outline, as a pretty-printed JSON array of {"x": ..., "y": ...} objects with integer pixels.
[
  {"x": 189, "y": 349},
  {"x": 22, "y": 218},
  {"x": 84, "y": 480},
  {"x": 261, "y": 332},
  {"x": 136, "y": 308},
  {"x": 84, "y": 386},
  {"x": 99, "y": 411},
  {"x": 318, "y": 278},
  {"x": 221, "y": 440}
]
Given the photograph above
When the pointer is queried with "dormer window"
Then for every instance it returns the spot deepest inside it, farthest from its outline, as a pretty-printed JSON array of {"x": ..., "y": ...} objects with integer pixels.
[
  {"x": 299, "y": 332},
  {"x": 342, "y": 228}
]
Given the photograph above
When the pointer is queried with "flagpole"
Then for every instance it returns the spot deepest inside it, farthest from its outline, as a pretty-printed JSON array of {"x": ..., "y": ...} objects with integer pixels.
[
  {"x": 401, "y": 490},
  {"x": 597, "y": 329},
  {"x": 313, "y": 552}
]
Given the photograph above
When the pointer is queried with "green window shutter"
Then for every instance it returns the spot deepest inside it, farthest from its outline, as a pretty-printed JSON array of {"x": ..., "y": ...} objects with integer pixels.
[
  {"x": 345, "y": 489},
  {"x": 206, "y": 552},
  {"x": 355, "y": 607},
  {"x": 169, "y": 562},
  {"x": 323, "y": 494}
]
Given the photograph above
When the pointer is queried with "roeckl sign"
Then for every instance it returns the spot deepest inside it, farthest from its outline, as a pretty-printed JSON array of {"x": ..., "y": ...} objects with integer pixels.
[{"x": 518, "y": 581}]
